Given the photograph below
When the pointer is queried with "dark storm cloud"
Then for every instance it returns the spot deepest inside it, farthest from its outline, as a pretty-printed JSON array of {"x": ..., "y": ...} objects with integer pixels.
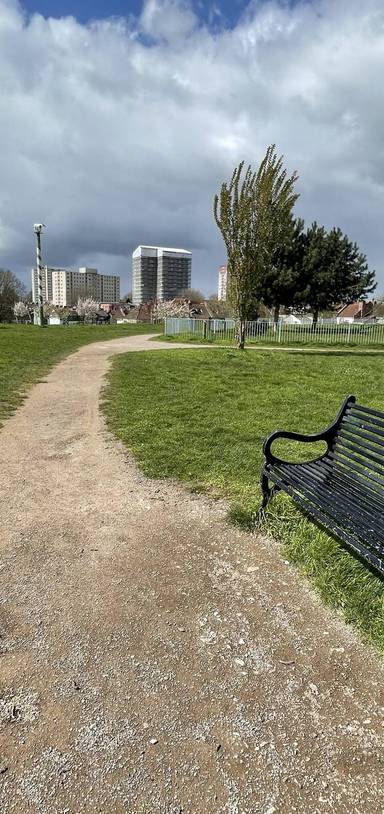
[{"x": 120, "y": 132}]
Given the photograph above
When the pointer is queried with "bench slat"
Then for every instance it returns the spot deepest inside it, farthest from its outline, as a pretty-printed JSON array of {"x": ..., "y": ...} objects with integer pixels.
[
  {"x": 367, "y": 453},
  {"x": 362, "y": 432},
  {"x": 351, "y": 540},
  {"x": 344, "y": 479},
  {"x": 366, "y": 417},
  {"x": 331, "y": 517},
  {"x": 340, "y": 452},
  {"x": 343, "y": 489},
  {"x": 368, "y": 411},
  {"x": 362, "y": 486},
  {"x": 347, "y": 508}
]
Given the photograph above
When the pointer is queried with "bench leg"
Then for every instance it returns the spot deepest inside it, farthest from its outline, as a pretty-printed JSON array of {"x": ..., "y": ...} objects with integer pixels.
[{"x": 267, "y": 492}]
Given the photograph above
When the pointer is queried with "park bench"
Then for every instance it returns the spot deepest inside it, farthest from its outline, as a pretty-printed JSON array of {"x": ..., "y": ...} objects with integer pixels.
[{"x": 343, "y": 489}]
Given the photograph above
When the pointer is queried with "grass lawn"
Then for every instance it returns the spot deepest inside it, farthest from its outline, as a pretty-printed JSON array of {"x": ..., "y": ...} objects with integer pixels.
[
  {"x": 28, "y": 352},
  {"x": 201, "y": 416},
  {"x": 269, "y": 341}
]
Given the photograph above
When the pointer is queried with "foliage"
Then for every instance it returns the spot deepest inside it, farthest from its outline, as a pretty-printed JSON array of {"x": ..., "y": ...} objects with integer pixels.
[
  {"x": 11, "y": 291},
  {"x": 192, "y": 294},
  {"x": 254, "y": 215},
  {"x": 281, "y": 281},
  {"x": 87, "y": 308},
  {"x": 220, "y": 308},
  {"x": 21, "y": 311},
  {"x": 201, "y": 416},
  {"x": 333, "y": 270},
  {"x": 171, "y": 308},
  {"x": 49, "y": 309},
  {"x": 233, "y": 212}
]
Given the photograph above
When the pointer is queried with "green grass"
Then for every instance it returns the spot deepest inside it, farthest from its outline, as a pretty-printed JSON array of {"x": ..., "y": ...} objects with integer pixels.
[
  {"x": 201, "y": 416},
  {"x": 269, "y": 341},
  {"x": 28, "y": 352}
]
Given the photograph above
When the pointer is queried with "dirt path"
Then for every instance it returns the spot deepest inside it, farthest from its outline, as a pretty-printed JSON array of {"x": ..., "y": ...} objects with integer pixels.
[{"x": 154, "y": 659}]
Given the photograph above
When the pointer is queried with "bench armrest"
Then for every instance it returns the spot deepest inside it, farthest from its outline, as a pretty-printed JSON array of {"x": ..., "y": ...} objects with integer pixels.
[{"x": 328, "y": 434}]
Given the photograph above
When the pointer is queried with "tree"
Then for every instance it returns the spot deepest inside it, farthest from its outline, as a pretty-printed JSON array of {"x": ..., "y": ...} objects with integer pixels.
[
  {"x": 20, "y": 311},
  {"x": 87, "y": 308},
  {"x": 171, "y": 308},
  {"x": 12, "y": 290},
  {"x": 333, "y": 270},
  {"x": 233, "y": 212},
  {"x": 254, "y": 215},
  {"x": 192, "y": 294},
  {"x": 281, "y": 280}
]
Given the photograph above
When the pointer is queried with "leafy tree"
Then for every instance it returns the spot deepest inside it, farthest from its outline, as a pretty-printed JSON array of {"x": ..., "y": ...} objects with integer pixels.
[
  {"x": 281, "y": 279},
  {"x": 333, "y": 270},
  {"x": 11, "y": 291},
  {"x": 254, "y": 215},
  {"x": 233, "y": 212}
]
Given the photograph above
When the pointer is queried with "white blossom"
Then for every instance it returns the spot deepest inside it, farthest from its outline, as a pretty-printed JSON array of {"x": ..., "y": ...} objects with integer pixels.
[
  {"x": 87, "y": 308},
  {"x": 171, "y": 308},
  {"x": 20, "y": 310}
]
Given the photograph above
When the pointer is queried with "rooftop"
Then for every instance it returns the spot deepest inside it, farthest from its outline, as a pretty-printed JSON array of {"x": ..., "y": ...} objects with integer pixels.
[{"x": 160, "y": 249}]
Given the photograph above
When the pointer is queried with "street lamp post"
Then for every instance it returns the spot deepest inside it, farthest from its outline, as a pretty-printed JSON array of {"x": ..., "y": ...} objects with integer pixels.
[{"x": 38, "y": 228}]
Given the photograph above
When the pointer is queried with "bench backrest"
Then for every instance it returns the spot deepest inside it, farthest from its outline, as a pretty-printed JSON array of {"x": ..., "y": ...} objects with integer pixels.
[{"x": 358, "y": 450}]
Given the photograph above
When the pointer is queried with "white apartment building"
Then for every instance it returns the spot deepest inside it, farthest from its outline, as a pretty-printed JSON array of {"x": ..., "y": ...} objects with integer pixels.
[
  {"x": 223, "y": 283},
  {"x": 46, "y": 283},
  {"x": 159, "y": 273},
  {"x": 63, "y": 287}
]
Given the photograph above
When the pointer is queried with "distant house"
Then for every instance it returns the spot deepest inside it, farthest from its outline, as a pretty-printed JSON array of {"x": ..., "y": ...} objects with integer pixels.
[
  {"x": 354, "y": 311},
  {"x": 294, "y": 319}
]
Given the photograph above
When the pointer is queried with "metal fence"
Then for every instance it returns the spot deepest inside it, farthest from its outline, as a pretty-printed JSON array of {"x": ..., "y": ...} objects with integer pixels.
[{"x": 268, "y": 332}]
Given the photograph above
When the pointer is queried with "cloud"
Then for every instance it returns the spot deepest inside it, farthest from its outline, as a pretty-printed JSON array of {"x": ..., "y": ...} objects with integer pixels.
[
  {"x": 121, "y": 131},
  {"x": 167, "y": 20}
]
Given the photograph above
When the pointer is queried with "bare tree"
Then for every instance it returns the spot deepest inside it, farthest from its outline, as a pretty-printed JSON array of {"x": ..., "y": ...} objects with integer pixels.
[
  {"x": 192, "y": 294},
  {"x": 11, "y": 290}
]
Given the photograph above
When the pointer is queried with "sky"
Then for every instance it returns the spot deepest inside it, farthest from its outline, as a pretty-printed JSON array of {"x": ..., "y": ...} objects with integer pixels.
[{"x": 120, "y": 120}]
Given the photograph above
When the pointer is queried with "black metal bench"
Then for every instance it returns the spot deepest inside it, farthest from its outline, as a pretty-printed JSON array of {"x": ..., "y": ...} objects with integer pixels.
[{"x": 343, "y": 489}]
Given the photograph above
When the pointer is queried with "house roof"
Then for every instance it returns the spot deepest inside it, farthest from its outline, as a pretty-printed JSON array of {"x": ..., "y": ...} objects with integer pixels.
[{"x": 354, "y": 309}]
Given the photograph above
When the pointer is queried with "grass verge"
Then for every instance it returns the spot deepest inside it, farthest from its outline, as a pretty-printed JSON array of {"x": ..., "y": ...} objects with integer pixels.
[
  {"x": 28, "y": 352},
  {"x": 201, "y": 416}
]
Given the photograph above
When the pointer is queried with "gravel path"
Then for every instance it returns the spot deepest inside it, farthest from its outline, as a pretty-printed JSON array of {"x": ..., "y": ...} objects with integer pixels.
[{"x": 154, "y": 659}]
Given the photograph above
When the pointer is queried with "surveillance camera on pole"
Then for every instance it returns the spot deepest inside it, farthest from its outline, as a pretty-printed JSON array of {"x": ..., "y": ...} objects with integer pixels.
[{"x": 38, "y": 228}]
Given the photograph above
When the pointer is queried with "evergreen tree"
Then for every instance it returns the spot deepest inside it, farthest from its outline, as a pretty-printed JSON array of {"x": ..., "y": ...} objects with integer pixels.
[
  {"x": 281, "y": 281},
  {"x": 333, "y": 271}
]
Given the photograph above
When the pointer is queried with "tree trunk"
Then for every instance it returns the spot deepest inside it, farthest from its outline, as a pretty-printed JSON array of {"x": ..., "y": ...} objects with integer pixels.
[
  {"x": 315, "y": 318},
  {"x": 276, "y": 314},
  {"x": 241, "y": 335}
]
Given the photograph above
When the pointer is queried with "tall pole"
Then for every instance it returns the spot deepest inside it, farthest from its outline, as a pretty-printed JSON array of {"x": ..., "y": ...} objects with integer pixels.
[{"x": 38, "y": 228}]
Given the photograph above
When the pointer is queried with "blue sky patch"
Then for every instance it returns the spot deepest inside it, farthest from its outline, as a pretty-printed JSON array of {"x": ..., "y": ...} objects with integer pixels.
[{"x": 224, "y": 12}]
